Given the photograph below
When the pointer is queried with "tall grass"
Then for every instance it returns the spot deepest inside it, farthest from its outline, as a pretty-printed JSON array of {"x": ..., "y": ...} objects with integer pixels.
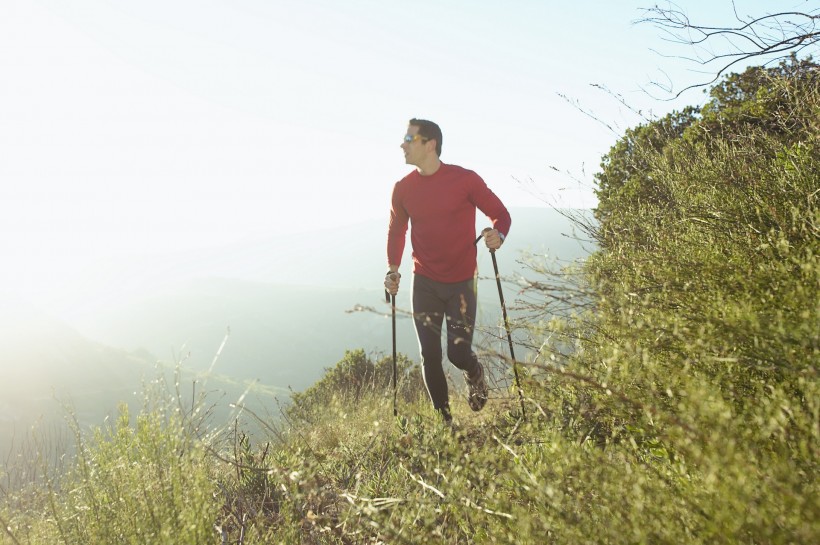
[{"x": 136, "y": 479}]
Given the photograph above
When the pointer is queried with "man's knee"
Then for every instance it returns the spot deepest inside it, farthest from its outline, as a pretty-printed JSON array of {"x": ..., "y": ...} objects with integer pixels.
[
  {"x": 460, "y": 352},
  {"x": 431, "y": 358}
]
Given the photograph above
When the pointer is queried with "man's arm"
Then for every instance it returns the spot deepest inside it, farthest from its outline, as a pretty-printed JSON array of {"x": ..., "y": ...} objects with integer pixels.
[
  {"x": 492, "y": 207},
  {"x": 396, "y": 229},
  {"x": 396, "y": 239}
]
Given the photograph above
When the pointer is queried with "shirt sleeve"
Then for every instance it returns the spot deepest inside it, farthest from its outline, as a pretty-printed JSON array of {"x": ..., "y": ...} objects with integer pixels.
[
  {"x": 491, "y": 206},
  {"x": 397, "y": 228}
]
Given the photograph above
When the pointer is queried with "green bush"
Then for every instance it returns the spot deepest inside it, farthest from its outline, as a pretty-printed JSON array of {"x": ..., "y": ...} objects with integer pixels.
[
  {"x": 699, "y": 359},
  {"x": 356, "y": 376}
]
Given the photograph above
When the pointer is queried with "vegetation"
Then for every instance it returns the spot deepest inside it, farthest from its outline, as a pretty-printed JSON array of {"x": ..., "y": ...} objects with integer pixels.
[
  {"x": 702, "y": 352},
  {"x": 674, "y": 398}
]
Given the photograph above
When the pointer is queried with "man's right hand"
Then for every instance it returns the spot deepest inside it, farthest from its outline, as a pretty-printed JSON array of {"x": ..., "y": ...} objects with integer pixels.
[{"x": 391, "y": 282}]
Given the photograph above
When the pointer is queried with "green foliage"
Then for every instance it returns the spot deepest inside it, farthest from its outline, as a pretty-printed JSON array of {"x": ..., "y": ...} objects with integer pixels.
[
  {"x": 144, "y": 480},
  {"x": 776, "y": 100},
  {"x": 351, "y": 378},
  {"x": 625, "y": 167},
  {"x": 703, "y": 345}
]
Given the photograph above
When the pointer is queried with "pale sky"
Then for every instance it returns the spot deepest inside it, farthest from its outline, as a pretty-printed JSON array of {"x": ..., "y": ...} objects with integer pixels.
[{"x": 144, "y": 126}]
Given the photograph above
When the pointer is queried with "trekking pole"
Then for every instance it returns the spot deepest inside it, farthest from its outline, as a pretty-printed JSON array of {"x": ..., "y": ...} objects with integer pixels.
[
  {"x": 392, "y": 300},
  {"x": 506, "y": 323}
]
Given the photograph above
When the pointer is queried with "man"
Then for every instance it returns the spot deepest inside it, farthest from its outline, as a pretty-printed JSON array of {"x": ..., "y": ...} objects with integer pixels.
[{"x": 440, "y": 202}]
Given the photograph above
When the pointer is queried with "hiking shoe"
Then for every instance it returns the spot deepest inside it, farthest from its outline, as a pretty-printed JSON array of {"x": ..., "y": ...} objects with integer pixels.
[
  {"x": 444, "y": 414},
  {"x": 446, "y": 417},
  {"x": 445, "y": 423},
  {"x": 477, "y": 396}
]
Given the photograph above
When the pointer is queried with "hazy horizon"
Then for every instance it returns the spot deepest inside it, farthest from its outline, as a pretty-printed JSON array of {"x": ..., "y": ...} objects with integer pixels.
[
  {"x": 151, "y": 128},
  {"x": 288, "y": 319}
]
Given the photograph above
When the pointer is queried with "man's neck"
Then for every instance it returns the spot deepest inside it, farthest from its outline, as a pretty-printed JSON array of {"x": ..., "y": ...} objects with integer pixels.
[{"x": 428, "y": 168}]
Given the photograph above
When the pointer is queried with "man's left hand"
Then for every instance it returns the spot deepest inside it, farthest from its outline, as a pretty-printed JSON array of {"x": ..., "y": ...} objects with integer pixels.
[{"x": 492, "y": 238}]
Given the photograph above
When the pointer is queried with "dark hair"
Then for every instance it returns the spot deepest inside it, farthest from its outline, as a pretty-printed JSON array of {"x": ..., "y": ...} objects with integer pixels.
[{"x": 428, "y": 130}]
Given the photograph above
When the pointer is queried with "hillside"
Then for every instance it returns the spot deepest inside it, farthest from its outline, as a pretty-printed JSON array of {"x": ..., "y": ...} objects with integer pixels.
[
  {"x": 52, "y": 372},
  {"x": 676, "y": 401},
  {"x": 46, "y": 363},
  {"x": 288, "y": 315},
  {"x": 287, "y": 303},
  {"x": 285, "y": 327}
]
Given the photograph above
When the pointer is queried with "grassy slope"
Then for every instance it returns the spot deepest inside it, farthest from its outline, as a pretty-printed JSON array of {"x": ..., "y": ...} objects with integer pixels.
[{"x": 355, "y": 474}]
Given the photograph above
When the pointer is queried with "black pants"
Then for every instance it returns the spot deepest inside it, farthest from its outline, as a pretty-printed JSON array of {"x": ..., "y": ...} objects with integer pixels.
[{"x": 432, "y": 302}]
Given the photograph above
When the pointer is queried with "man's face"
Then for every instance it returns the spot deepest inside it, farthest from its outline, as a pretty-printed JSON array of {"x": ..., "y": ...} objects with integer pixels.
[{"x": 416, "y": 149}]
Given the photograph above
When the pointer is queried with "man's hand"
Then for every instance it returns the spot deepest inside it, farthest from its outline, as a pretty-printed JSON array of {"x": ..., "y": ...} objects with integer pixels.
[
  {"x": 492, "y": 238},
  {"x": 391, "y": 282}
]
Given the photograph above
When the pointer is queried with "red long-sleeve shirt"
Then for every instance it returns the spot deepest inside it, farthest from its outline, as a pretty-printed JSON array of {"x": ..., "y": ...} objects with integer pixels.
[{"x": 441, "y": 210}]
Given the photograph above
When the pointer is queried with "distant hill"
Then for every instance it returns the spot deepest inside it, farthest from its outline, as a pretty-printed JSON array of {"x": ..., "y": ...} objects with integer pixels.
[
  {"x": 46, "y": 363},
  {"x": 286, "y": 299},
  {"x": 280, "y": 335},
  {"x": 49, "y": 370}
]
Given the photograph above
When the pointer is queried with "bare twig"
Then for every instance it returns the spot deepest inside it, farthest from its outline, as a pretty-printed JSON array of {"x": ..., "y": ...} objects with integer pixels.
[
  {"x": 771, "y": 36},
  {"x": 420, "y": 481}
]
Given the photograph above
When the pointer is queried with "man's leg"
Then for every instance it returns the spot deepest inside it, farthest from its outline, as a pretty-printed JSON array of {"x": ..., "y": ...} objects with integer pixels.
[
  {"x": 428, "y": 316},
  {"x": 461, "y": 311}
]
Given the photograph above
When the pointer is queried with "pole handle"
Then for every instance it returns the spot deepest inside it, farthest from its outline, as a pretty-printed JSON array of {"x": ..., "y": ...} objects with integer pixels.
[
  {"x": 482, "y": 236},
  {"x": 387, "y": 293}
]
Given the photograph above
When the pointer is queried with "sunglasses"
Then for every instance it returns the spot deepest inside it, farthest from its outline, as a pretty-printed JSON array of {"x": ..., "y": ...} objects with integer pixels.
[{"x": 410, "y": 138}]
